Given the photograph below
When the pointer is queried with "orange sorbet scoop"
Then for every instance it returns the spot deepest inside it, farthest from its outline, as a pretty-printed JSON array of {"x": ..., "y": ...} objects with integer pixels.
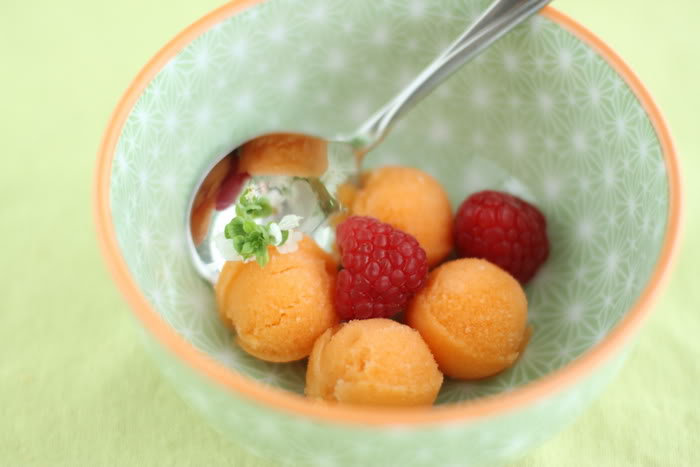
[
  {"x": 284, "y": 154},
  {"x": 278, "y": 311},
  {"x": 473, "y": 315},
  {"x": 376, "y": 362}
]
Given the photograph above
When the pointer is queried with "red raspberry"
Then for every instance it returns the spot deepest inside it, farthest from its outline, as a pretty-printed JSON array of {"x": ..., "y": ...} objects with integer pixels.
[
  {"x": 231, "y": 186},
  {"x": 383, "y": 268},
  {"x": 504, "y": 230}
]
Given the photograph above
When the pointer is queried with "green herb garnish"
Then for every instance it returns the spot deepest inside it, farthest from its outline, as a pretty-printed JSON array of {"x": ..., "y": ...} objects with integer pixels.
[{"x": 251, "y": 239}]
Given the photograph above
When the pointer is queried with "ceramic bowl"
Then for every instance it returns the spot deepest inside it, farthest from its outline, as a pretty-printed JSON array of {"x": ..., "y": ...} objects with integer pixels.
[{"x": 549, "y": 113}]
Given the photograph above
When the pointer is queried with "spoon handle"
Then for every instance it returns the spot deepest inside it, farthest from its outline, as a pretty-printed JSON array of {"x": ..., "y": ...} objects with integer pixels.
[{"x": 494, "y": 23}]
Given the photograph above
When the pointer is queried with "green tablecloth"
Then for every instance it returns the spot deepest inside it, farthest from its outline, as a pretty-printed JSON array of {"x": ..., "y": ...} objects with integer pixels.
[{"x": 76, "y": 388}]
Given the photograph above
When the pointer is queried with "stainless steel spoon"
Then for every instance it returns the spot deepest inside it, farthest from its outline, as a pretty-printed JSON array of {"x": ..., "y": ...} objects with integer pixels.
[{"x": 315, "y": 198}]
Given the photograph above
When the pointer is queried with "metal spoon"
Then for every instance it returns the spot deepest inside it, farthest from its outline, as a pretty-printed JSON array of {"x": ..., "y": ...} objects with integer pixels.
[{"x": 315, "y": 198}]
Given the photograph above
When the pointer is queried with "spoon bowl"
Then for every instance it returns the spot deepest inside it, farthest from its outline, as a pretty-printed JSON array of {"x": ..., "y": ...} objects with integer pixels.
[{"x": 313, "y": 198}]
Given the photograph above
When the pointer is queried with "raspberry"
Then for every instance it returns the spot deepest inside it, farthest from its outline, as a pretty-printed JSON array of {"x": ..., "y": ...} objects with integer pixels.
[
  {"x": 383, "y": 268},
  {"x": 504, "y": 230},
  {"x": 231, "y": 186}
]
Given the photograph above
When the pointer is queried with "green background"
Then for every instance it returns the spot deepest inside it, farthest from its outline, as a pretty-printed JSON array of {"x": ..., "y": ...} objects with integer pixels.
[{"x": 76, "y": 388}]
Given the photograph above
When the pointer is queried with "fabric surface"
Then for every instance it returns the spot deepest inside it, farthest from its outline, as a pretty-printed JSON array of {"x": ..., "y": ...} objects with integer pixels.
[{"x": 76, "y": 387}]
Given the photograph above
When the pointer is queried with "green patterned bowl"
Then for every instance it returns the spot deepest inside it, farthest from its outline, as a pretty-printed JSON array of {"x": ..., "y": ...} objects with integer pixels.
[{"x": 549, "y": 113}]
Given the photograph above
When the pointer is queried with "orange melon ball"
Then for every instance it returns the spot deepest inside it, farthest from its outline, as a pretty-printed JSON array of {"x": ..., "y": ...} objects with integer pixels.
[
  {"x": 375, "y": 362},
  {"x": 284, "y": 154},
  {"x": 410, "y": 200},
  {"x": 278, "y": 311},
  {"x": 473, "y": 316}
]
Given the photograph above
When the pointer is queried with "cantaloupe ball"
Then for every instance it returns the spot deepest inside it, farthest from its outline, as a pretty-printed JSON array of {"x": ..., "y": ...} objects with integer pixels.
[
  {"x": 284, "y": 154},
  {"x": 410, "y": 200},
  {"x": 278, "y": 311},
  {"x": 473, "y": 316},
  {"x": 376, "y": 362}
]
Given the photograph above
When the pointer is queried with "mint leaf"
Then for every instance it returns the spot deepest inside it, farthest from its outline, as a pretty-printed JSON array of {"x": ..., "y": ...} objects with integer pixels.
[
  {"x": 265, "y": 208},
  {"x": 229, "y": 231},
  {"x": 262, "y": 256},
  {"x": 249, "y": 227},
  {"x": 253, "y": 207},
  {"x": 251, "y": 239},
  {"x": 246, "y": 249},
  {"x": 285, "y": 237},
  {"x": 238, "y": 242}
]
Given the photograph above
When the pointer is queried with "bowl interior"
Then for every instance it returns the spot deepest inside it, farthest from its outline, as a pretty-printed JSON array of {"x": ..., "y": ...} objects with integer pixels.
[{"x": 540, "y": 114}]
